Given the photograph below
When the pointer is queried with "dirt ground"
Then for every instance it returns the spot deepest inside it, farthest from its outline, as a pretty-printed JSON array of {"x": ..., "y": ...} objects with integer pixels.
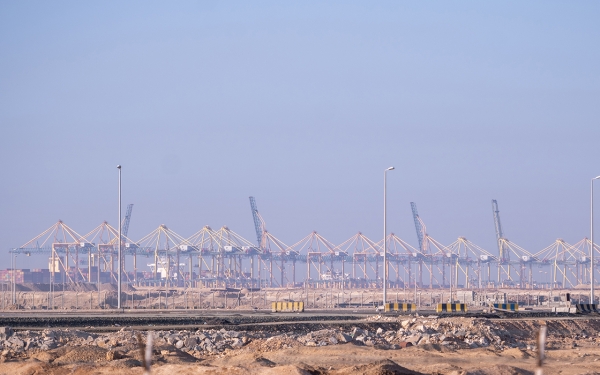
[
  {"x": 573, "y": 347},
  {"x": 337, "y": 360}
]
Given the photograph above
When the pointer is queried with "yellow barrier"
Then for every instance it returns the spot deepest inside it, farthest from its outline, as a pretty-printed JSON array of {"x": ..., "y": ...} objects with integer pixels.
[
  {"x": 294, "y": 306},
  {"x": 506, "y": 306},
  {"x": 400, "y": 307},
  {"x": 585, "y": 307},
  {"x": 451, "y": 307}
]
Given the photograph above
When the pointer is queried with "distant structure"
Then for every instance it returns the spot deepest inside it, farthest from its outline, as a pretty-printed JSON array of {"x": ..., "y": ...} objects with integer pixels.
[
  {"x": 258, "y": 222},
  {"x": 222, "y": 258},
  {"x": 126, "y": 220},
  {"x": 420, "y": 227},
  {"x": 504, "y": 256}
]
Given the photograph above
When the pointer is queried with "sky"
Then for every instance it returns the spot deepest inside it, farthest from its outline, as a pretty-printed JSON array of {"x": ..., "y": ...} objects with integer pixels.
[{"x": 303, "y": 105}]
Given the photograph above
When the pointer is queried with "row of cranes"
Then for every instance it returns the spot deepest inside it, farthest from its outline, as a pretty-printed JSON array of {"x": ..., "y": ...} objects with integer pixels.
[{"x": 223, "y": 258}]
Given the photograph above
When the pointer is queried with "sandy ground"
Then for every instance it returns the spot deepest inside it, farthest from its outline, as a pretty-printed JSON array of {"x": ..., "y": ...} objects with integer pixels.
[
  {"x": 348, "y": 358},
  {"x": 330, "y": 360}
]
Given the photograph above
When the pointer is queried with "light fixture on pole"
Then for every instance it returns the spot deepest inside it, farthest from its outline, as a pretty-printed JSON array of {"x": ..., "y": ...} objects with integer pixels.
[
  {"x": 119, "y": 255},
  {"x": 385, "y": 269},
  {"x": 592, "y": 239}
]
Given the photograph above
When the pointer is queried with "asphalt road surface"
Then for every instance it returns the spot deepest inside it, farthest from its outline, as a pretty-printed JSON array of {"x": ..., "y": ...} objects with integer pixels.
[{"x": 112, "y": 320}]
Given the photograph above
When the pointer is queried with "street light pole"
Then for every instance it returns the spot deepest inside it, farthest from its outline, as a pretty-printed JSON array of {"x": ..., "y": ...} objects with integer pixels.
[
  {"x": 119, "y": 251},
  {"x": 14, "y": 285},
  {"x": 385, "y": 268},
  {"x": 592, "y": 239},
  {"x": 451, "y": 281},
  {"x": 415, "y": 278},
  {"x": 12, "y": 278}
]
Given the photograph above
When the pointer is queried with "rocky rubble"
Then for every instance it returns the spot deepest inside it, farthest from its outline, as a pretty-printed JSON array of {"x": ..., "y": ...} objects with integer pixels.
[
  {"x": 464, "y": 333},
  {"x": 451, "y": 333}
]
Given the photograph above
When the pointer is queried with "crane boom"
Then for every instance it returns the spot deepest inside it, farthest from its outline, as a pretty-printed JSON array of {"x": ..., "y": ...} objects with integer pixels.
[
  {"x": 258, "y": 225},
  {"x": 418, "y": 225},
  {"x": 125, "y": 224},
  {"x": 498, "y": 226}
]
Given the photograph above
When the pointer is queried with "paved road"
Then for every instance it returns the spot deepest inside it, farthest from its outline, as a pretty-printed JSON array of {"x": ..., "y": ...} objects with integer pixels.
[{"x": 111, "y": 320}]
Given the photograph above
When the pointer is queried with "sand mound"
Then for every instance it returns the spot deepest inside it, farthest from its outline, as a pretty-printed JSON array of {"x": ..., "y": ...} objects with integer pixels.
[
  {"x": 274, "y": 343},
  {"x": 516, "y": 353},
  {"x": 434, "y": 348},
  {"x": 385, "y": 367},
  {"x": 44, "y": 356},
  {"x": 26, "y": 368},
  {"x": 264, "y": 362},
  {"x": 499, "y": 370},
  {"x": 443, "y": 369},
  {"x": 126, "y": 363},
  {"x": 169, "y": 354},
  {"x": 289, "y": 369},
  {"x": 82, "y": 354}
]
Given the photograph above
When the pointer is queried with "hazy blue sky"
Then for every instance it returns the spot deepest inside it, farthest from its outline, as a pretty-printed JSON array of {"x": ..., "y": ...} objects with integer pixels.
[{"x": 303, "y": 105}]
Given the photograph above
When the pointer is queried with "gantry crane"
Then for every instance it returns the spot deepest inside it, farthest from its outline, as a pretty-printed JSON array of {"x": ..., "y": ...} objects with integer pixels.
[
  {"x": 258, "y": 223},
  {"x": 421, "y": 234},
  {"x": 505, "y": 247},
  {"x": 503, "y": 255},
  {"x": 125, "y": 224},
  {"x": 419, "y": 226}
]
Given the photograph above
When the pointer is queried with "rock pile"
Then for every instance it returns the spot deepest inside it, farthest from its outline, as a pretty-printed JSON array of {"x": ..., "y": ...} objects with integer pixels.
[
  {"x": 464, "y": 333},
  {"x": 451, "y": 333}
]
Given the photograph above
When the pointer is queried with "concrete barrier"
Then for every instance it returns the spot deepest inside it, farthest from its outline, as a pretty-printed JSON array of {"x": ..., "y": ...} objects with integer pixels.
[
  {"x": 583, "y": 308},
  {"x": 451, "y": 307},
  {"x": 292, "y": 306},
  {"x": 570, "y": 310},
  {"x": 400, "y": 307},
  {"x": 506, "y": 306}
]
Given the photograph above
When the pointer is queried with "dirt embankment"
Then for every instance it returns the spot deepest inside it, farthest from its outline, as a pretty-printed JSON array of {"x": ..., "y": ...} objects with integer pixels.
[{"x": 413, "y": 345}]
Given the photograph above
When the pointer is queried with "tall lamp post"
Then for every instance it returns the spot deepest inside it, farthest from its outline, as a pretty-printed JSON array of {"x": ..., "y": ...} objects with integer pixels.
[
  {"x": 14, "y": 279},
  {"x": 385, "y": 269},
  {"x": 120, "y": 256},
  {"x": 592, "y": 239}
]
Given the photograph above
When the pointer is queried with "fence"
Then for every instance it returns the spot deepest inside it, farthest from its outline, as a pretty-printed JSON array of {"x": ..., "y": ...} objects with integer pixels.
[{"x": 223, "y": 299}]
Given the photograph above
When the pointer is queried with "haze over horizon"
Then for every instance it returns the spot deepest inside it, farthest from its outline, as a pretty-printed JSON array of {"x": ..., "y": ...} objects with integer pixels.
[{"x": 301, "y": 105}]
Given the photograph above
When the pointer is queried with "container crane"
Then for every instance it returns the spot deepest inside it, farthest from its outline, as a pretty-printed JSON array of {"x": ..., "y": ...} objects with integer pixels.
[
  {"x": 421, "y": 234},
  {"x": 259, "y": 224},
  {"x": 125, "y": 224},
  {"x": 420, "y": 227},
  {"x": 504, "y": 256}
]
